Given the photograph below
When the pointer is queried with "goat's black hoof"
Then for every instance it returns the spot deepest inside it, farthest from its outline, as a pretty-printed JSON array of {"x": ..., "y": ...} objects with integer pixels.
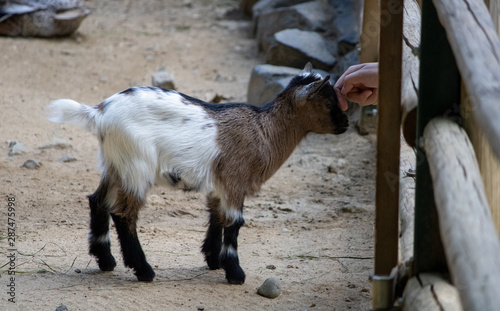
[
  {"x": 107, "y": 263},
  {"x": 236, "y": 276},
  {"x": 145, "y": 274},
  {"x": 213, "y": 262}
]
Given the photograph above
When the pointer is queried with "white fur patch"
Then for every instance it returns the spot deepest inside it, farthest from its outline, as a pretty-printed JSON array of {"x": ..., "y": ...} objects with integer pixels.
[
  {"x": 103, "y": 239},
  {"x": 147, "y": 133},
  {"x": 229, "y": 250}
]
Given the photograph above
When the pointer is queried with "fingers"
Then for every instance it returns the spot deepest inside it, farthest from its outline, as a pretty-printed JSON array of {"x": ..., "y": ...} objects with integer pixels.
[{"x": 364, "y": 98}]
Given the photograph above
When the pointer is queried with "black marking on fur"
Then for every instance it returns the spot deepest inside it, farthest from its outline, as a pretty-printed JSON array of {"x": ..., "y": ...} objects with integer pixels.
[
  {"x": 302, "y": 80},
  {"x": 129, "y": 91},
  {"x": 230, "y": 261},
  {"x": 213, "y": 241},
  {"x": 133, "y": 255},
  {"x": 99, "y": 226},
  {"x": 173, "y": 177}
]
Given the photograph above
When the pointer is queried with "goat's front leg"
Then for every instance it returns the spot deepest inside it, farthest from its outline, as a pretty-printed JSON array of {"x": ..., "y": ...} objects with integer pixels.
[
  {"x": 229, "y": 253},
  {"x": 125, "y": 215}
]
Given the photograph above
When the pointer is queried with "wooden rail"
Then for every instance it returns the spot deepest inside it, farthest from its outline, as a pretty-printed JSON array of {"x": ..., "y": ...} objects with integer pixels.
[
  {"x": 469, "y": 238},
  {"x": 475, "y": 44}
]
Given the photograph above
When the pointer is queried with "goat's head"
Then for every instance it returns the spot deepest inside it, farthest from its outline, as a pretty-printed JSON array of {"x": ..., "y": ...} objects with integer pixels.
[{"x": 316, "y": 104}]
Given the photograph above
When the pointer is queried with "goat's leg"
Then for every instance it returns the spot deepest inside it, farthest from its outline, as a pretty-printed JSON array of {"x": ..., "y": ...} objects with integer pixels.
[
  {"x": 99, "y": 240},
  {"x": 229, "y": 254},
  {"x": 125, "y": 215},
  {"x": 213, "y": 240}
]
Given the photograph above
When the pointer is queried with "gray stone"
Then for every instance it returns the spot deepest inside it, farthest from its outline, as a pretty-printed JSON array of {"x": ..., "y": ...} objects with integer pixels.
[
  {"x": 270, "y": 289},
  {"x": 32, "y": 164},
  {"x": 57, "y": 144},
  {"x": 348, "y": 19},
  {"x": 16, "y": 148},
  {"x": 67, "y": 158},
  {"x": 62, "y": 308},
  {"x": 163, "y": 79},
  {"x": 267, "y": 81},
  {"x": 294, "y": 48},
  {"x": 346, "y": 61},
  {"x": 264, "y": 6},
  {"x": 314, "y": 16}
]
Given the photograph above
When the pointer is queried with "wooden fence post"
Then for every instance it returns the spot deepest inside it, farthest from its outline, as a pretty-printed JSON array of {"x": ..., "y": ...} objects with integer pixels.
[{"x": 388, "y": 137}]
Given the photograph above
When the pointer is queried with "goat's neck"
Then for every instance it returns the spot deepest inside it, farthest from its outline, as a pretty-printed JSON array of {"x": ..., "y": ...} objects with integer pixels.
[{"x": 283, "y": 133}]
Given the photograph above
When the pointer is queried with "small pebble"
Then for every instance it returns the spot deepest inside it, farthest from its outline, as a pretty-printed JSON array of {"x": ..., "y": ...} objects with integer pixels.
[
  {"x": 32, "y": 164},
  {"x": 78, "y": 271},
  {"x": 67, "y": 158},
  {"x": 271, "y": 267},
  {"x": 57, "y": 144},
  {"x": 270, "y": 289},
  {"x": 62, "y": 308},
  {"x": 16, "y": 148}
]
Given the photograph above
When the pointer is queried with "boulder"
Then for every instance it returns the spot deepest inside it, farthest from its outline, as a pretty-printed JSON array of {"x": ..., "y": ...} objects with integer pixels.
[
  {"x": 267, "y": 81},
  {"x": 314, "y": 16},
  {"x": 294, "y": 48}
]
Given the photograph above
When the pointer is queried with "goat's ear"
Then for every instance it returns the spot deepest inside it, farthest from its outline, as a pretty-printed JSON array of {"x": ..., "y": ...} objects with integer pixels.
[
  {"x": 307, "y": 92},
  {"x": 307, "y": 69}
]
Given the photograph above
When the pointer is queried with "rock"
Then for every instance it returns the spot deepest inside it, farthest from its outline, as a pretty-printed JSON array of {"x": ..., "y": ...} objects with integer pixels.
[
  {"x": 67, "y": 158},
  {"x": 266, "y": 81},
  {"x": 62, "y": 308},
  {"x": 41, "y": 18},
  {"x": 294, "y": 48},
  {"x": 313, "y": 16},
  {"x": 163, "y": 79},
  {"x": 270, "y": 289},
  {"x": 346, "y": 61},
  {"x": 271, "y": 267},
  {"x": 16, "y": 148},
  {"x": 57, "y": 144},
  {"x": 264, "y": 6},
  {"x": 348, "y": 19},
  {"x": 247, "y": 5},
  {"x": 32, "y": 164}
]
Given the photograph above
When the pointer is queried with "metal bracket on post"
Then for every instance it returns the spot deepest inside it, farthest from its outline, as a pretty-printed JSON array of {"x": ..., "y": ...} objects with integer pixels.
[{"x": 384, "y": 288}]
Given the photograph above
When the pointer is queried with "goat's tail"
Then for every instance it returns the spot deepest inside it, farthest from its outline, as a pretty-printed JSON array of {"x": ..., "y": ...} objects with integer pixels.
[{"x": 67, "y": 110}]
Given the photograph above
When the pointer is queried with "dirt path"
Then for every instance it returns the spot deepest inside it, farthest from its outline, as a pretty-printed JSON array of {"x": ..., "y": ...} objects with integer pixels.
[{"x": 313, "y": 220}]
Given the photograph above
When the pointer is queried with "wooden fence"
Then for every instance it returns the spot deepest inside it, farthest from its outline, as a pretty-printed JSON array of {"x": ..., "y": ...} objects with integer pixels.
[{"x": 456, "y": 251}]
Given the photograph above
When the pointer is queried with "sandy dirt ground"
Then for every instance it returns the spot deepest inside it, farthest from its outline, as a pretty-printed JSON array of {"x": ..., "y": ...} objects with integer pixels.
[{"x": 313, "y": 220}]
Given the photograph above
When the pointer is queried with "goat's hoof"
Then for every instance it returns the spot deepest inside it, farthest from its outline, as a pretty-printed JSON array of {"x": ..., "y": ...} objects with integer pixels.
[
  {"x": 213, "y": 262},
  {"x": 107, "y": 263},
  {"x": 146, "y": 274},
  {"x": 236, "y": 276}
]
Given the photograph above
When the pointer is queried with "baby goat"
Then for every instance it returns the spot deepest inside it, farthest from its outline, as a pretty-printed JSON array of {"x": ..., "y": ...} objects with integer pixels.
[{"x": 151, "y": 136}]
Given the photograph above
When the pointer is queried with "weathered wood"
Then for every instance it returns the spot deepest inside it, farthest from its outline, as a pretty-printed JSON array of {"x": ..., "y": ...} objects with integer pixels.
[
  {"x": 475, "y": 44},
  {"x": 411, "y": 63},
  {"x": 430, "y": 292},
  {"x": 469, "y": 237},
  {"x": 406, "y": 203},
  {"x": 388, "y": 139},
  {"x": 489, "y": 164},
  {"x": 370, "y": 34}
]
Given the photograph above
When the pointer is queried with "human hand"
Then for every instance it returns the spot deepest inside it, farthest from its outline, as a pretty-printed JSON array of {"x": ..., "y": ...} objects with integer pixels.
[{"x": 358, "y": 84}]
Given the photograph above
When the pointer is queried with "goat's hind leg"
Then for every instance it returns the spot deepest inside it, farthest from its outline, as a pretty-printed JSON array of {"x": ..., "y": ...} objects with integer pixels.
[
  {"x": 213, "y": 239},
  {"x": 99, "y": 240},
  {"x": 125, "y": 214}
]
